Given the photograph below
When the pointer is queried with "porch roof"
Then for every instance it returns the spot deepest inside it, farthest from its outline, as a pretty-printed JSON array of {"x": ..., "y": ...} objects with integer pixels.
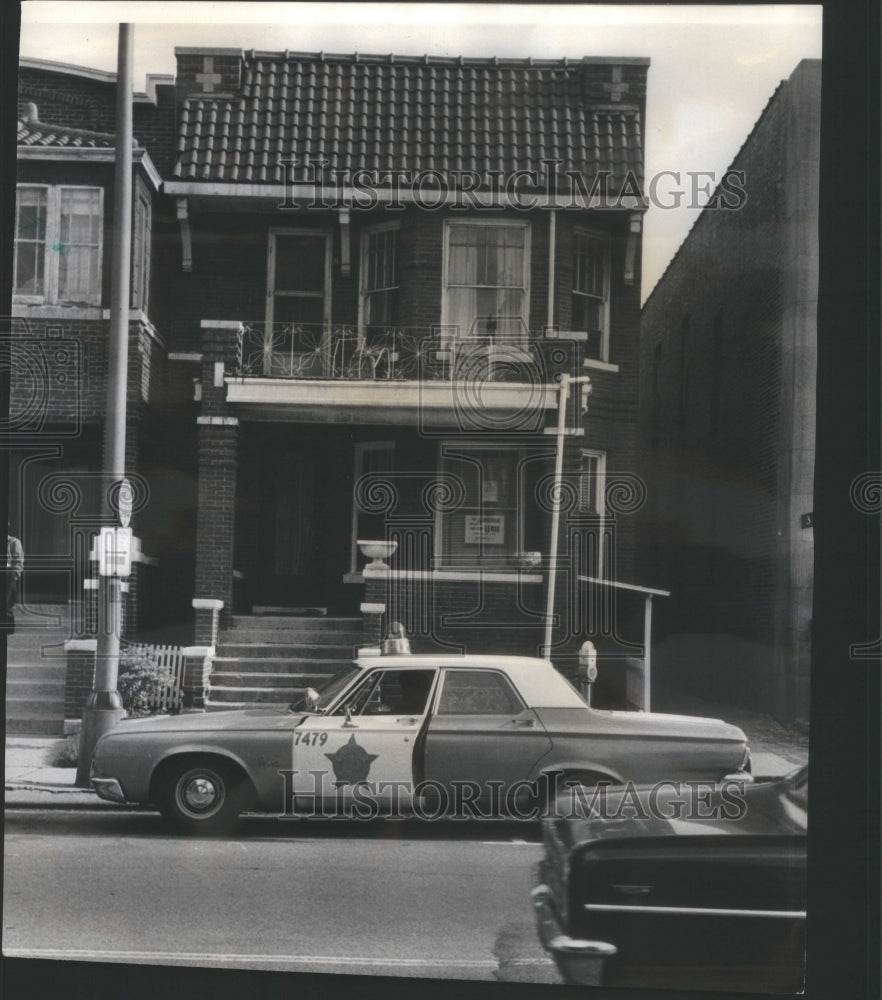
[
  {"x": 496, "y": 406},
  {"x": 394, "y": 113},
  {"x": 31, "y": 132}
]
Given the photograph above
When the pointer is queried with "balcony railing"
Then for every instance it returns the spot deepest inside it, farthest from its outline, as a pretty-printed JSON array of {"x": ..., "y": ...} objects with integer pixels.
[{"x": 508, "y": 353}]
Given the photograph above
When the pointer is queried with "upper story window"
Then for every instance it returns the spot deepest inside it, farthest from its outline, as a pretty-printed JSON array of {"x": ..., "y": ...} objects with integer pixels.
[
  {"x": 142, "y": 218},
  {"x": 379, "y": 279},
  {"x": 590, "y": 301},
  {"x": 58, "y": 245},
  {"x": 486, "y": 268}
]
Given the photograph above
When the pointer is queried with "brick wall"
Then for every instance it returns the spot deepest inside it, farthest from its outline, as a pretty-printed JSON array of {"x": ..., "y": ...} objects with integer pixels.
[
  {"x": 712, "y": 426},
  {"x": 78, "y": 102}
]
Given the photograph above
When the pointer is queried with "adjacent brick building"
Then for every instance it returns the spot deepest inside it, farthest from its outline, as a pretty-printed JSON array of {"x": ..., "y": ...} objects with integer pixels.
[
  {"x": 727, "y": 425},
  {"x": 360, "y": 278}
]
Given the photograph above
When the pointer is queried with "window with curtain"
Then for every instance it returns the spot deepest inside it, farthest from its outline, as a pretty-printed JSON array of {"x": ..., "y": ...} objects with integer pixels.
[
  {"x": 58, "y": 245},
  {"x": 30, "y": 242},
  {"x": 486, "y": 279}
]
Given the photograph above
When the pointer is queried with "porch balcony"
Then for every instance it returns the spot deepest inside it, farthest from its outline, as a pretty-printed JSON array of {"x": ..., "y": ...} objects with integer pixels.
[{"x": 489, "y": 379}]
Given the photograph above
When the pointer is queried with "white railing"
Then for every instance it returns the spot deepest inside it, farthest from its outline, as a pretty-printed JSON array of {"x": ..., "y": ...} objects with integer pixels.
[
  {"x": 508, "y": 352},
  {"x": 168, "y": 697},
  {"x": 165, "y": 697}
]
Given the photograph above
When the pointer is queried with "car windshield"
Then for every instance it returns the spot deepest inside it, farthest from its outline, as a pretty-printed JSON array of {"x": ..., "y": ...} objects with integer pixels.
[{"x": 331, "y": 688}]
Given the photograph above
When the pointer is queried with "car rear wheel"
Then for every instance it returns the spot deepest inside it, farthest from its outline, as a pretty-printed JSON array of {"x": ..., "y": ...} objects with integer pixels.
[{"x": 201, "y": 796}]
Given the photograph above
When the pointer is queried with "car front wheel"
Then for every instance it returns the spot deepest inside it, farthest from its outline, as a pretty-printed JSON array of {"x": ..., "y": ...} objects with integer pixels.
[{"x": 201, "y": 797}]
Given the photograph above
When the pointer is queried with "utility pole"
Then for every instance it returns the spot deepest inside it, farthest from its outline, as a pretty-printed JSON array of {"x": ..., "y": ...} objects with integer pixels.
[
  {"x": 104, "y": 706},
  {"x": 563, "y": 394}
]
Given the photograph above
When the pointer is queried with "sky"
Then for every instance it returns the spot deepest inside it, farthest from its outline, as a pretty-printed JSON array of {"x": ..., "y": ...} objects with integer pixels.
[{"x": 713, "y": 68}]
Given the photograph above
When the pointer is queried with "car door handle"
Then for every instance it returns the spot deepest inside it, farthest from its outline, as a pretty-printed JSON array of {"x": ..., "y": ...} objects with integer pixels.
[
  {"x": 528, "y": 723},
  {"x": 408, "y": 721}
]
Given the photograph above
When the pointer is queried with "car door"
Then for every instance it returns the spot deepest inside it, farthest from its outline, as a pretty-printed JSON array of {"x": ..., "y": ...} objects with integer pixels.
[
  {"x": 361, "y": 756},
  {"x": 481, "y": 732}
]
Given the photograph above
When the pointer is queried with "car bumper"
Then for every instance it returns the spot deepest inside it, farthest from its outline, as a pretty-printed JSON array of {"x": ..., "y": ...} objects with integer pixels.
[
  {"x": 108, "y": 789},
  {"x": 579, "y": 961}
]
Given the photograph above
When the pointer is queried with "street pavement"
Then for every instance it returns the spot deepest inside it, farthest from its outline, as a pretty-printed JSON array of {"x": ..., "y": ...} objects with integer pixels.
[{"x": 97, "y": 882}]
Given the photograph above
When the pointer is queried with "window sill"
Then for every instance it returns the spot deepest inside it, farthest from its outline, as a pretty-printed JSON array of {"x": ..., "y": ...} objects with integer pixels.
[
  {"x": 449, "y": 575},
  {"x": 25, "y": 310},
  {"x": 600, "y": 366}
]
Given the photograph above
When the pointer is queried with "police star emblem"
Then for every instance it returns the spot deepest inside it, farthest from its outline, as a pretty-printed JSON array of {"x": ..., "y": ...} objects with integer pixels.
[{"x": 352, "y": 763}]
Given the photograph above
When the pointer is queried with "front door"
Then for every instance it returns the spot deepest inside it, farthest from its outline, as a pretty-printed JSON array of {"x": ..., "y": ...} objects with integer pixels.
[
  {"x": 482, "y": 734},
  {"x": 364, "y": 756},
  {"x": 298, "y": 303}
]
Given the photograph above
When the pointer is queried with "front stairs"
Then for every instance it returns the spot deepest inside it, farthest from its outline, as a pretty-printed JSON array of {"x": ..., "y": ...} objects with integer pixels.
[
  {"x": 36, "y": 670},
  {"x": 265, "y": 660}
]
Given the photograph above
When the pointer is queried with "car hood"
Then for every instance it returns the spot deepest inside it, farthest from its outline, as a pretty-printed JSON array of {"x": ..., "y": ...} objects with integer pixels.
[{"x": 202, "y": 722}]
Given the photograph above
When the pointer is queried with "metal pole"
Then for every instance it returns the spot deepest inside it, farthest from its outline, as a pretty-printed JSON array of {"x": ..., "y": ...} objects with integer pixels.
[
  {"x": 647, "y": 640},
  {"x": 104, "y": 706},
  {"x": 565, "y": 382},
  {"x": 555, "y": 513}
]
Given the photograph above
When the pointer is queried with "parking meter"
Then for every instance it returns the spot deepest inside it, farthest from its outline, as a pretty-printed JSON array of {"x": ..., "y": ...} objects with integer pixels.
[{"x": 587, "y": 669}]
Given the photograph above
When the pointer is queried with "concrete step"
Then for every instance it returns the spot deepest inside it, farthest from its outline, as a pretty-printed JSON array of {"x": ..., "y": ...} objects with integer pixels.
[
  {"x": 49, "y": 725},
  {"x": 39, "y": 671},
  {"x": 283, "y": 637},
  {"x": 271, "y": 633},
  {"x": 253, "y": 695},
  {"x": 22, "y": 708},
  {"x": 276, "y": 651},
  {"x": 263, "y": 679},
  {"x": 281, "y": 664},
  {"x": 295, "y": 624},
  {"x": 34, "y": 688}
]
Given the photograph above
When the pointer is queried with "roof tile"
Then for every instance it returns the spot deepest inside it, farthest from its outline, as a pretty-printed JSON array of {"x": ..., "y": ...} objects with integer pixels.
[
  {"x": 34, "y": 133},
  {"x": 401, "y": 113}
]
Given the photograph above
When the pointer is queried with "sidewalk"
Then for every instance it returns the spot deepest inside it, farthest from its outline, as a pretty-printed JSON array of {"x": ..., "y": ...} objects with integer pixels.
[{"x": 31, "y": 780}]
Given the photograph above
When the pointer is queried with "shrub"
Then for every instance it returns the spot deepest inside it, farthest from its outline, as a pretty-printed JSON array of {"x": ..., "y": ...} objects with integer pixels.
[
  {"x": 140, "y": 676},
  {"x": 67, "y": 755}
]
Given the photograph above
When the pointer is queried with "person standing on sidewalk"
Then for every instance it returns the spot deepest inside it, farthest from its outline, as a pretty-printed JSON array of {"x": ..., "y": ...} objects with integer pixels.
[{"x": 14, "y": 569}]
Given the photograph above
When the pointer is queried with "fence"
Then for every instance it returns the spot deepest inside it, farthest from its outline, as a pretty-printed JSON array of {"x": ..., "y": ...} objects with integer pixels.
[{"x": 165, "y": 697}]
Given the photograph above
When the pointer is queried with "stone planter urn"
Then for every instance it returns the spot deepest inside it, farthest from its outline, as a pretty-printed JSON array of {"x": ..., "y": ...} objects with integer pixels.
[{"x": 376, "y": 551}]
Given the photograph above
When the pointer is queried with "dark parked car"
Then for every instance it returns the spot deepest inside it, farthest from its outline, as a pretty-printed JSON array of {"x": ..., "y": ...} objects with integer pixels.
[{"x": 678, "y": 885}]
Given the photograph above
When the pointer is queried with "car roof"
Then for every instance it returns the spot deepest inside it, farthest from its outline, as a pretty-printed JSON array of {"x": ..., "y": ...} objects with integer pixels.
[{"x": 537, "y": 680}]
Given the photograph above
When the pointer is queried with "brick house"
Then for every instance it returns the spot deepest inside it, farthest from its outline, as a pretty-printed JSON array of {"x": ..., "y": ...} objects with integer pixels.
[
  {"x": 727, "y": 426},
  {"x": 366, "y": 274}
]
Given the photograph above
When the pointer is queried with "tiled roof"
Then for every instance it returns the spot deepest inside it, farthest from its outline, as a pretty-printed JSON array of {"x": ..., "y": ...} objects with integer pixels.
[
  {"x": 34, "y": 133},
  {"x": 404, "y": 113}
]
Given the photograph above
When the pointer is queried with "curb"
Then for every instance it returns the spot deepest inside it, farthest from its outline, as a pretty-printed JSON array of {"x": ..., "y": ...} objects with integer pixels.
[{"x": 35, "y": 786}]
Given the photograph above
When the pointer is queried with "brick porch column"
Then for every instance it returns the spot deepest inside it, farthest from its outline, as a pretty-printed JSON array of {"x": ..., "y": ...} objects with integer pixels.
[
  {"x": 216, "y": 515},
  {"x": 218, "y": 460}
]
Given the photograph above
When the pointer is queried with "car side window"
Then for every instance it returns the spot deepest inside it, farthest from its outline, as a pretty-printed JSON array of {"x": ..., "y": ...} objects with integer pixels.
[
  {"x": 390, "y": 692},
  {"x": 478, "y": 692},
  {"x": 356, "y": 701}
]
